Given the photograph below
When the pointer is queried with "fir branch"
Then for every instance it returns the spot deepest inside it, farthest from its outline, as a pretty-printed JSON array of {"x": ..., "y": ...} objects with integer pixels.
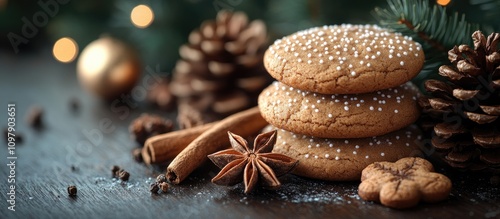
[
  {"x": 429, "y": 25},
  {"x": 435, "y": 44}
]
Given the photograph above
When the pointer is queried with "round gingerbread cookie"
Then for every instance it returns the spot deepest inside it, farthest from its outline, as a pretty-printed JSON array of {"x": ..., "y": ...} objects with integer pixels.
[
  {"x": 341, "y": 115},
  {"x": 345, "y": 159},
  {"x": 344, "y": 59}
]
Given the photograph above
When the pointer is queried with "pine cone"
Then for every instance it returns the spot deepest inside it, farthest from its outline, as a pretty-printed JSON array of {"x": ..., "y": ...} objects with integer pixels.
[
  {"x": 221, "y": 71},
  {"x": 161, "y": 96},
  {"x": 465, "y": 109}
]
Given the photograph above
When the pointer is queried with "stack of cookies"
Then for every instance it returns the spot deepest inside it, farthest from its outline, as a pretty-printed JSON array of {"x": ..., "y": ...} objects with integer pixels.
[{"x": 343, "y": 99}]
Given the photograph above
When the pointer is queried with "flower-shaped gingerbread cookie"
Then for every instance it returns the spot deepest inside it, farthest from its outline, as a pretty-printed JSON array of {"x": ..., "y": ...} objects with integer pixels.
[{"x": 403, "y": 184}]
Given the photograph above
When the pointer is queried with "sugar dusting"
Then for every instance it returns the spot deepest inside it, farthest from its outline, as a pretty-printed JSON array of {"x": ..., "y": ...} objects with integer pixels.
[
  {"x": 307, "y": 191},
  {"x": 114, "y": 183},
  {"x": 295, "y": 190}
]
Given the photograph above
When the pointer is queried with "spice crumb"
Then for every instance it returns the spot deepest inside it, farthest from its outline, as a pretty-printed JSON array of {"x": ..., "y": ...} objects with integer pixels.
[
  {"x": 114, "y": 170},
  {"x": 153, "y": 188},
  {"x": 123, "y": 175},
  {"x": 18, "y": 138},
  {"x": 164, "y": 187},
  {"x": 161, "y": 178},
  {"x": 34, "y": 117},
  {"x": 72, "y": 190},
  {"x": 137, "y": 154}
]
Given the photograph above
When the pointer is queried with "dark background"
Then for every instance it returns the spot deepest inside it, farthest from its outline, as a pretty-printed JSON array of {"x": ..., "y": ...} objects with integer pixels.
[{"x": 86, "y": 21}]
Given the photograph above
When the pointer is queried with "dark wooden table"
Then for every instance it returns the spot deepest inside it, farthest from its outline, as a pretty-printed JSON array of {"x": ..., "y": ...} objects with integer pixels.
[{"x": 61, "y": 154}]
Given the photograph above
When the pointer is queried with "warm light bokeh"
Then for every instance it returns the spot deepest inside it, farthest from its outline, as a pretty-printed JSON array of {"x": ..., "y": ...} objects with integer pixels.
[
  {"x": 142, "y": 16},
  {"x": 443, "y": 2},
  {"x": 3, "y": 4},
  {"x": 65, "y": 50}
]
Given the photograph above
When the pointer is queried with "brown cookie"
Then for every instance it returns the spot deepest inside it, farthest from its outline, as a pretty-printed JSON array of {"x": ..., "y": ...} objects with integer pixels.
[
  {"x": 404, "y": 183},
  {"x": 339, "y": 116},
  {"x": 344, "y": 159},
  {"x": 344, "y": 59}
]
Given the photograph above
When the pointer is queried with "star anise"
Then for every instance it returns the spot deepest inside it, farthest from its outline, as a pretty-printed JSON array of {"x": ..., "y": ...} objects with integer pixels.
[{"x": 250, "y": 165}]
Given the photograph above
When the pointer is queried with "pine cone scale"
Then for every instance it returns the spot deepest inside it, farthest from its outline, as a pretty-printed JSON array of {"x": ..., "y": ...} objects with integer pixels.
[
  {"x": 480, "y": 118},
  {"x": 211, "y": 47},
  {"x": 441, "y": 104},
  {"x": 494, "y": 58},
  {"x": 190, "y": 53},
  {"x": 195, "y": 38},
  {"x": 453, "y": 55},
  {"x": 468, "y": 68},
  {"x": 439, "y": 88},
  {"x": 236, "y": 24},
  {"x": 207, "y": 29},
  {"x": 453, "y": 76},
  {"x": 468, "y": 55},
  {"x": 256, "y": 31},
  {"x": 492, "y": 43},
  {"x": 462, "y": 155},
  {"x": 235, "y": 47},
  {"x": 220, "y": 69},
  {"x": 443, "y": 145},
  {"x": 491, "y": 110},
  {"x": 201, "y": 86},
  {"x": 487, "y": 139},
  {"x": 462, "y": 94},
  {"x": 447, "y": 130},
  {"x": 185, "y": 69},
  {"x": 493, "y": 158},
  {"x": 253, "y": 84},
  {"x": 230, "y": 103},
  {"x": 495, "y": 84},
  {"x": 247, "y": 60}
]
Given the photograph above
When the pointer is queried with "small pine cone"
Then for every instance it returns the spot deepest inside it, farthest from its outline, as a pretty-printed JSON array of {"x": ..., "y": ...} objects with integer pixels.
[
  {"x": 465, "y": 109},
  {"x": 146, "y": 126},
  {"x": 161, "y": 96},
  {"x": 221, "y": 70}
]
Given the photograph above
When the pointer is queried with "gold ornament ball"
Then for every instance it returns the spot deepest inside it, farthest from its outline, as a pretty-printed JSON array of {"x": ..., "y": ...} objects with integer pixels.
[{"x": 108, "y": 67}]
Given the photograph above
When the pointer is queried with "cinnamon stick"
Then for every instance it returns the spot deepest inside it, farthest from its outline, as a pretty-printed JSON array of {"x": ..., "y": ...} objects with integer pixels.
[
  {"x": 164, "y": 147},
  {"x": 244, "y": 123}
]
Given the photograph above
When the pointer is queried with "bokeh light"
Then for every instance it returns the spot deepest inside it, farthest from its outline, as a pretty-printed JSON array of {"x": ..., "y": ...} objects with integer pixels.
[
  {"x": 65, "y": 50},
  {"x": 142, "y": 16},
  {"x": 3, "y": 4},
  {"x": 443, "y": 2}
]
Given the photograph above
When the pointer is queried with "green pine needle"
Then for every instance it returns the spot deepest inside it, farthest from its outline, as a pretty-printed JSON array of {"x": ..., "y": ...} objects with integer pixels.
[
  {"x": 429, "y": 25},
  {"x": 426, "y": 23}
]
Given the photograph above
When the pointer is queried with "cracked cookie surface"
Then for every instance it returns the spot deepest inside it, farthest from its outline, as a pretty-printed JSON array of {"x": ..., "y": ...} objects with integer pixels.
[
  {"x": 344, "y": 59},
  {"x": 339, "y": 116},
  {"x": 344, "y": 159}
]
